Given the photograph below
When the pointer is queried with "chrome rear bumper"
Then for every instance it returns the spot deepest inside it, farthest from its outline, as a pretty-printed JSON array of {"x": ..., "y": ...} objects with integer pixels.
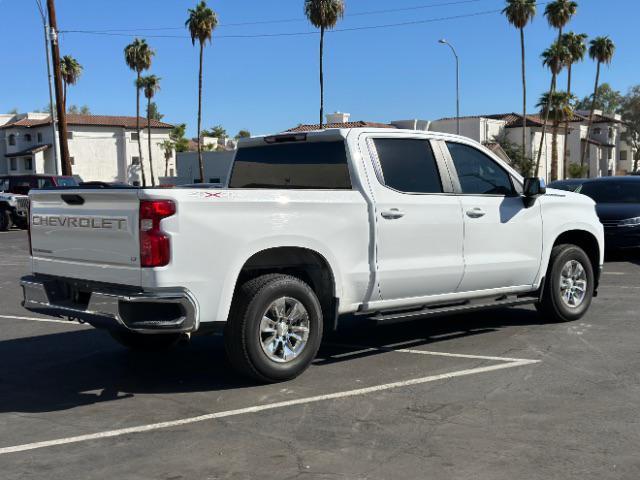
[{"x": 162, "y": 311}]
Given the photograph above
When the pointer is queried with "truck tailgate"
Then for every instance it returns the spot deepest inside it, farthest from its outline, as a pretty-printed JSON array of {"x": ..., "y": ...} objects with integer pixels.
[{"x": 86, "y": 234}]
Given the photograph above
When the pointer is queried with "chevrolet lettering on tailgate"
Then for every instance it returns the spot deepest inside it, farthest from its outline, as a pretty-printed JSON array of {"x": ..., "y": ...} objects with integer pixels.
[{"x": 79, "y": 222}]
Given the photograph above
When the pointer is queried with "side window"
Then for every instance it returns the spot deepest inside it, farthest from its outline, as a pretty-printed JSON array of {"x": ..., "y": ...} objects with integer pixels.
[
  {"x": 45, "y": 183},
  {"x": 479, "y": 174},
  {"x": 408, "y": 165}
]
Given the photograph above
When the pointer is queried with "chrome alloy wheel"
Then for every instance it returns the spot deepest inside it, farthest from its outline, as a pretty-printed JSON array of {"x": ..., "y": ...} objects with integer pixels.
[
  {"x": 284, "y": 329},
  {"x": 573, "y": 283}
]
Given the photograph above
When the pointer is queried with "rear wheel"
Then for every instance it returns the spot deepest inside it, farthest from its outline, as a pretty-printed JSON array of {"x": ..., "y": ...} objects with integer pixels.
[
  {"x": 274, "y": 329},
  {"x": 5, "y": 220},
  {"x": 146, "y": 342},
  {"x": 569, "y": 285}
]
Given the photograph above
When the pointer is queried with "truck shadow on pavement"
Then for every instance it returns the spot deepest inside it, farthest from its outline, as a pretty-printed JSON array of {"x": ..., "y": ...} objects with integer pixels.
[{"x": 63, "y": 371}]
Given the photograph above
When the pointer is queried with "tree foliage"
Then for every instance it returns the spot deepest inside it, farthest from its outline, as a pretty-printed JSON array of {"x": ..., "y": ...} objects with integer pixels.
[
  {"x": 217, "y": 131},
  {"x": 243, "y": 134},
  {"x": 630, "y": 109},
  {"x": 177, "y": 137},
  {"x": 607, "y": 100},
  {"x": 153, "y": 113},
  {"x": 522, "y": 163}
]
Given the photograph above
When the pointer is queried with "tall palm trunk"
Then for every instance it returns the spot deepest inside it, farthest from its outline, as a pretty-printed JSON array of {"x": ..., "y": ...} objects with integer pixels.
[
  {"x": 554, "y": 150},
  {"x": 524, "y": 97},
  {"x": 593, "y": 107},
  {"x": 200, "y": 115},
  {"x": 566, "y": 127},
  {"x": 153, "y": 180},
  {"x": 144, "y": 178},
  {"x": 546, "y": 111},
  {"x": 64, "y": 95},
  {"x": 321, "y": 76}
]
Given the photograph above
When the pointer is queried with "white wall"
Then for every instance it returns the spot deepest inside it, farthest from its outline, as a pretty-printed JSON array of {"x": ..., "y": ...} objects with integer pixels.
[
  {"x": 216, "y": 165},
  {"x": 99, "y": 153}
]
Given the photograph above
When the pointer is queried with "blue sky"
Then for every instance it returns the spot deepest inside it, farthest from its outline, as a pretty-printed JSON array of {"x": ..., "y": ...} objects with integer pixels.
[{"x": 270, "y": 84}]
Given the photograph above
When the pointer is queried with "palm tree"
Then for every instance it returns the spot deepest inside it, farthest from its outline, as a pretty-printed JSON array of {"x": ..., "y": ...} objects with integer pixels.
[
  {"x": 601, "y": 49},
  {"x": 558, "y": 14},
  {"x": 201, "y": 23},
  {"x": 519, "y": 13},
  {"x": 554, "y": 58},
  {"x": 577, "y": 48},
  {"x": 149, "y": 85},
  {"x": 323, "y": 14},
  {"x": 167, "y": 147},
  {"x": 70, "y": 70},
  {"x": 138, "y": 57},
  {"x": 558, "y": 104}
]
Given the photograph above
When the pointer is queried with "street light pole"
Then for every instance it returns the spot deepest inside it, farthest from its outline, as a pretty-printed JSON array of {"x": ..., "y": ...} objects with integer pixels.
[
  {"x": 455, "y": 54},
  {"x": 56, "y": 154}
]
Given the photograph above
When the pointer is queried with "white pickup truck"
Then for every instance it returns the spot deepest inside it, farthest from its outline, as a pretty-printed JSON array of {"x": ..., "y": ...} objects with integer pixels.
[{"x": 392, "y": 224}]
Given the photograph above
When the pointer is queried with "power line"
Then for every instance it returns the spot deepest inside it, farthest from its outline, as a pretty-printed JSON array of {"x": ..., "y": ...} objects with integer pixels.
[
  {"x": 290, "y": 20},
  {"x": 292, "y": 34}
]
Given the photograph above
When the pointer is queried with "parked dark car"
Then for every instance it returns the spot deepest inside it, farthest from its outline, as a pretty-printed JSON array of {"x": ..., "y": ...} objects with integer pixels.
[
  {"x": 570, "y": 185},
  {"x": 21, "y": 184},
  {"x": 618, "y": 206}
]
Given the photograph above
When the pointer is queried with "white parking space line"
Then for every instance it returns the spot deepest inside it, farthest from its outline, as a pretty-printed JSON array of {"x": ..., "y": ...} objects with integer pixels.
[
  {"x": 46, "y": 320},
  {"x": 505, "y": 363},
  {"x": 391, "y": 348}
]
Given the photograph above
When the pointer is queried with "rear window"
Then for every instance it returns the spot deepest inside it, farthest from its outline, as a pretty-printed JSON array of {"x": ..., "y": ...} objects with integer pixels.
[
  {"x": 612, "y": 192},
  {"x": 304, "y": 165},
  {"x": 66, "y": 182}
]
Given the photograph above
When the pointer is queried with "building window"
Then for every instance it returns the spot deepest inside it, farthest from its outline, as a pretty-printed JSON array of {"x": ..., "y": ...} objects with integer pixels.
[
  {"x": 39, "y": 137},
  {"x": 597, "y": 131},
  {"x": 610, "y": 133},
  {"x": 27, "y": 137},
  {"x": 12, "y": 139},
  {"x": 623, "y": 155},
  {"x": 69, "y": 135},
  {"x": 13, "y": 164},
  {"x": 72, "y": 160},
  {"x": 135, "y": 160},
  {"x": 172, "y": 172},
  {"x": 134, "y": 136},
  {"x": 609, "y": 153},
  {"x": 568, "y": 153},
  {"x": 28, "y": 164}
]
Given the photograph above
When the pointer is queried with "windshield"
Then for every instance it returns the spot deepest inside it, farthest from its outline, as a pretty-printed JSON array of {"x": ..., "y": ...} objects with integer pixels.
[
  {"x": 310, "y": 165},
  {"x": 612, "y": 192}
]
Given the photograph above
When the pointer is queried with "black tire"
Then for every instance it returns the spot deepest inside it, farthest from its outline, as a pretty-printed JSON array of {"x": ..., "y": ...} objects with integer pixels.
[
  {"x": 243, "y": 337},
  {"x": 552, "y": 305},
  {"x": 5, "y": 220},
  {"x": 140, "y": 342}
]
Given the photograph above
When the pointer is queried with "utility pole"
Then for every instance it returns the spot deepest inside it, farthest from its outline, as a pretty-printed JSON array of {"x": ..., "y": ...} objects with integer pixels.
[
  {"x": 56, "y": 154},
  {"x": 62, "y": 115}
]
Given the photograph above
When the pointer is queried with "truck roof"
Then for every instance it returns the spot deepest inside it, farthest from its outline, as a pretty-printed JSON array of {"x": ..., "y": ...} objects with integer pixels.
[{"x": 336, "y": 133}]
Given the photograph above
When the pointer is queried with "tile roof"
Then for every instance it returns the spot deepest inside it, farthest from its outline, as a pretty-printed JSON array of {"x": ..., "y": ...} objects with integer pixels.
[
  {"x": 90, "y": 120},
  {"x": 30, "y": 151},
  {"x": 514, "y": 120},
  {"x": 357, "y": 124}
]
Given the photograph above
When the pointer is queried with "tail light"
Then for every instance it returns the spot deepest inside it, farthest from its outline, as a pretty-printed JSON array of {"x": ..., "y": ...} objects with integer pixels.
[{"x": 155, "y": 245}]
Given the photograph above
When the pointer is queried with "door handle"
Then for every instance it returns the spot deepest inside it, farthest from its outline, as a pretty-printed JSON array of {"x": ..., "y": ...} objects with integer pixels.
[
  {"x": 476, "y": 213},
  {"x": 392, "y": 214}
]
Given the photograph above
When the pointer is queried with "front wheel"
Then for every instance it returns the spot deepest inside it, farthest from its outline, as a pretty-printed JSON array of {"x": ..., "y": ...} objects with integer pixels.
[
  {"x": 5, "y": 220},
  {"x": 569, "y": 285},
  {"x": 274, "y": 329}
]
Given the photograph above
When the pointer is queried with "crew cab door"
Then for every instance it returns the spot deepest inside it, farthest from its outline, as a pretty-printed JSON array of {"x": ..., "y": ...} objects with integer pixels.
[
  {"x": 418, "y": 221},
  {"x": 503, "y": 237}
]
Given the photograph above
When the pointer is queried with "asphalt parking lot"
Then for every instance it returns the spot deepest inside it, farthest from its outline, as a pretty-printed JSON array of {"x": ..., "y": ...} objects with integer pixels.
[{"x": 491, "y": 395}]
